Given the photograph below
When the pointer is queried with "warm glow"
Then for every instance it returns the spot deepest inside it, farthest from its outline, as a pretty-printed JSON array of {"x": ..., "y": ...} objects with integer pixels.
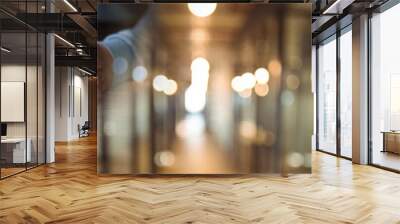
[
  {"x": 160, "y": 82},
  {"x": 275, "y": 67},
  {"x": 195, "y": 99},
  {"x": 171, "y": 87},
  {"x": 237, "y": 84},
  {"x": 262, "y": 75},
  {"x": 200, "y": 65},
  {"x": 248, "y": 129},
  {"x": 195, "y": 95},
  {"x": 295, "y": 159},
  {"x": 245, "y": 93},
  {"x": 200, "y": 80},
  {"x": 261, "y": 89},
  {"x": 202, "y": 9},
  {"x": 248, "y": 80},
  {"x": 164, "y": 158},
  {"x": 191, "y": 127}
]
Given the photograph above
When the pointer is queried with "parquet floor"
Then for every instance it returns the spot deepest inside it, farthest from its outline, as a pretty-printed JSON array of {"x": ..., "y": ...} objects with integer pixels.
[{"x": 69, "y": 191}]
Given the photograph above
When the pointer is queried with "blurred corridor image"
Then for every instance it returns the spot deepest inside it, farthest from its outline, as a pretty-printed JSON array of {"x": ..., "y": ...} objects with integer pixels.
[{"x": 204, "y": 88}]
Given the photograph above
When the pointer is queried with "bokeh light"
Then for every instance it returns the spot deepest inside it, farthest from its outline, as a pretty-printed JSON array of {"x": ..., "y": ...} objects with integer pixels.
[
  {"x": 246, "y": 93},
  {"x": 287, "y": 98},
  {"x": 200, "y": 65},
  {"x": 262, "y": 75},
  {"x": 202, "y": 9},
  {"x": 160, "y": 82},
  {"x": 295, "y": 160},
  {"x": 248, "y": 80},
  {"x": 200, "y": 80},
  {"x": 191, "y": 127},
  {"x": 171, "y": 87},
  {"x": 195, "y": 100},
  {"x": 248, "y": 129},
  {"x": 261, "y": 89},
  {"x": 164, "y": 158},
  {"x": 275, "y": 67},
  {"x": 139, "y": 73},
  {"x": 120, "y": 66},
  {"x": 292, "y": 82},
  {"x": 237, "y": 84}
]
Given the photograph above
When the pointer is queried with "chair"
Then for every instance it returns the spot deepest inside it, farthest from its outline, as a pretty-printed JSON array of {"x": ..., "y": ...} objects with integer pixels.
[{"x": 84, "y": 130}]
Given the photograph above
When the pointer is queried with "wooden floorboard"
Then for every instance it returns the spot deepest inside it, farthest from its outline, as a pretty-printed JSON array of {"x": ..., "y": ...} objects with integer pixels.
[{"x": 69, "y": 191}]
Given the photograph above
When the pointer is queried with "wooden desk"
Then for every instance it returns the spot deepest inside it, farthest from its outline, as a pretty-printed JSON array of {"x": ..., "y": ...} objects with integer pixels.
[
  {"x": 15, "y": 148},
  {"x": 391, "y": 141}
]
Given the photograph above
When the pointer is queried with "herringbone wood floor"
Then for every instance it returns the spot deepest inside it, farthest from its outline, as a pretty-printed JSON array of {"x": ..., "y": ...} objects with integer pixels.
[{"x": 69, "y": 191}]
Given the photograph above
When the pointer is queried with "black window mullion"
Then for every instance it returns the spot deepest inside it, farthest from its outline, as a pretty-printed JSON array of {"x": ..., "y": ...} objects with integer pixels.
[
  {"x": 26, "y": 87},
  {"x": 0, "y": 91},
  {"x": 338, "y": 91},
  {"x": 369, "y": 96},
  {"x": 317, "y": 96},
  {"x": 37, "y": 90}
]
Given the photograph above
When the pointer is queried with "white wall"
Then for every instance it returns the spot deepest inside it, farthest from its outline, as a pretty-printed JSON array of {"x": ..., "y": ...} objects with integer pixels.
[
  {"x": 34, "y": 125},
  {"x": 71, "y": 102}
]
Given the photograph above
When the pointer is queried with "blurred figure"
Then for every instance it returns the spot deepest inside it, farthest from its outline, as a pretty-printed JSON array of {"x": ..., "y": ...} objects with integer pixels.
[{"x": 118, "y": 53}]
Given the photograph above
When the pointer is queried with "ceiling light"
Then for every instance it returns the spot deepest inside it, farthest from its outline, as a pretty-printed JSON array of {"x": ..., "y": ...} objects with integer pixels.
[
  {"x": 202, "y": 9},
  {"x": 160, "y": 82},
  {"x": 249, "y": 81},
  {"x": 171, "y": 87},
  {"x": 337, "y": 7},
  {"x": 195, "y": 100},
  {"x": 200, "y": 64},
  {"x": 262, "y": 75},
  {"x": 84, "y": 71},
  {"x": 64, "y": 40},
  {"x": 237, "y": 84},
  {"x": 70, "y": 6},
  {"x": 5, "y": 50}
]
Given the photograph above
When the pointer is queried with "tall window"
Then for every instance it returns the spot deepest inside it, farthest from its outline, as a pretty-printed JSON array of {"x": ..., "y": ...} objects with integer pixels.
[
  {"x": 327, "y": 96},
  {"x": 346, "y": 93},
  {"x": 385, "y": 89}
]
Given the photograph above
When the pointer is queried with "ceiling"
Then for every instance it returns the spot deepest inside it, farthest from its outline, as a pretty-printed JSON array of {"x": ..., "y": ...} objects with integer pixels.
[{"x": 80, "y": 27}]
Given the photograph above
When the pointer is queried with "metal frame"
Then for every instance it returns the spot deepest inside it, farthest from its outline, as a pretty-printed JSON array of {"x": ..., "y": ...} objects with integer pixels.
[{"x": 339, "y": 32}]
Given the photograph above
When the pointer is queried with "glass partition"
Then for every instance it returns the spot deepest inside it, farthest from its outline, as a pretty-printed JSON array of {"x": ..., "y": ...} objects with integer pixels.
[
  {"x": 346, "y": 93},
  {"x": 327, "y": 96},
  {"x": 14, "y": 153},
  {"x": 31, "y": 100},
  {"x": 41, "y": 96},
  {"x": 22, "y": 89}
]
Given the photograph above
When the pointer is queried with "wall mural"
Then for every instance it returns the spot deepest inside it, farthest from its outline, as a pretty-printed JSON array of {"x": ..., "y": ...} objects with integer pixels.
[{"x": 204, "y": 88}]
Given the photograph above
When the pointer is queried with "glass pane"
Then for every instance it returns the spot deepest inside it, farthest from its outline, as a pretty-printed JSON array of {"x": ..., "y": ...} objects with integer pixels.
[
  {"x": 327, "y": 97},
  {"x": 31, "y": 97},
  {"x": 346, "y": 94},
  {"x": 13, "y": 86},
  {"x": 41, "y": 99},
  {"x": 386, "y": 89}
]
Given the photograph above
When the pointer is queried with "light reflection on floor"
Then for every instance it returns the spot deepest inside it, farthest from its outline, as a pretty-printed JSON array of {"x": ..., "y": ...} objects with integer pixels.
[
  {"x": 195, "y": 151},
  {"x": 386, "y": 159}
]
